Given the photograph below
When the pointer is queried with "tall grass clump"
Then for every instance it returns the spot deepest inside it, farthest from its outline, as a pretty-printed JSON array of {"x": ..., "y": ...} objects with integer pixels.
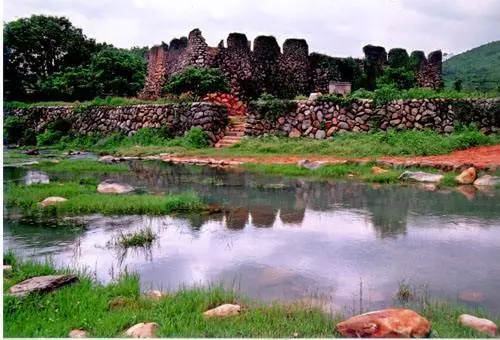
[{"x": 141, "y": 238}]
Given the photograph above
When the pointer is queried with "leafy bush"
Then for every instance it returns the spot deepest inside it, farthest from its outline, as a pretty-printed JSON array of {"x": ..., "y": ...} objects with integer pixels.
[
  {"x": 399, "y": 77},
  {"x": 271, "y": 107},
  {"x": 54, "y": 132},
  {"x": 198, "y": 80},
  {"x": 362, "y": 94},
  {"x": 343, "y": 101},
  {"x": 15, "y": 131},
  {"x": 150, "y": 136},
  {"x": 196, "y": 138},
  {"x": 300, "y": 97}
]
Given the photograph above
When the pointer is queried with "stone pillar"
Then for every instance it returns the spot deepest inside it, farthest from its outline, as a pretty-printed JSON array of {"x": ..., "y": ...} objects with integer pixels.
[
  {"x": 430, "y": 72},
  {"x": 294, "y": 69},
  {"x": 157, "y": 69},
  {"x": 375, "y": 60},
  {"x": 266, "y": 55}
]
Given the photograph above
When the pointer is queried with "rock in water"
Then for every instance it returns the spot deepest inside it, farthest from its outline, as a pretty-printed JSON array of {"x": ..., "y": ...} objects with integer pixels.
[
  {"x": 307, "y": 164},
  {"x": 470, "y": 296},
  {"x": 42, "y": 284},
  {"x": 223, "y": 310},
  {"x": 419, "y": 176},
  {"x": 378, "y": 170},
  {"x": 386, "y": 323},
  {"x": 467, "y": 176},
  {"x": 78, "y": 333},
  {"x": 481, "y": 325},
  {"x": 53, "y": 200},
  {"x": 143, "y": 330},
  {"x": 114, "y": 188},
  {"x": 487, "y": 180}
]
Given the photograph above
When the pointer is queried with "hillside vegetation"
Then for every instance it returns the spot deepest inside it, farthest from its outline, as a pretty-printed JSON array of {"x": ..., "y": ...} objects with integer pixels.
[{"x": 479, "y": 68}]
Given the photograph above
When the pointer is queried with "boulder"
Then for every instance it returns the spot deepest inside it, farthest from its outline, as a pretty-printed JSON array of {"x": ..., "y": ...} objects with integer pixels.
[
  {"x": 294, "y": 133},
  {"x": 468, "y": 176},
  {"x": 378, "y": 170},
  {"x": 481, "y": 325},
  {"x": 78, "y": 333},
  {"x": 386, "y": 323},
  {"x": 223, "y": 311},
  {"x": 314, "y": 95},
  {"x": 114, "y": 188},
  {"x": 487, "y": 180},
  {"x": 42, "y": 284},
  {"x": 307, "y": 164},
  {"x": 7, "y": 268},
  {"x": 143, "y": 330},
  {"x": 155, "y": 294},
  {"x": 32, "y": 152},
  {"x": 420, "y": 176},
  {"x": 53, "y": 200}
]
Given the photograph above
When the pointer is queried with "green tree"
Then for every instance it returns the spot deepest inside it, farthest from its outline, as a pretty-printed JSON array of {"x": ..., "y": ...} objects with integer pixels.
[
  {"x": 112, "y": 72},
  {"x": 37, "y": 47},
  {"x": 400, "y": 77},
  {"x": 457, "y": 85}
]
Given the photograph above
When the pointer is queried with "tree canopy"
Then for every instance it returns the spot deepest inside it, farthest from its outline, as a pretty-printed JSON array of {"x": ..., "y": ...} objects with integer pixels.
[{"x": 47, "y": 58}]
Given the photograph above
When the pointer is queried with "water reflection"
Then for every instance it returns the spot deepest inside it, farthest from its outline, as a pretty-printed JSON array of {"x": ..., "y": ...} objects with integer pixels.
[{"x": 310, "y": 237}]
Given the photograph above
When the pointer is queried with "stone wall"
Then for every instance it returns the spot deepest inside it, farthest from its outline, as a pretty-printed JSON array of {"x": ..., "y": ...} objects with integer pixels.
[
  {"x": 319, "y": 120},
  {"x": 178, "y": 117},
  {"x": 287, "y": 73}
]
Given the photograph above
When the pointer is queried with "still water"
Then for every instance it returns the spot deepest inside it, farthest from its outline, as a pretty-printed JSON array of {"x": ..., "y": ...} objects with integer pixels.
[{"x": 292, "y": 241}]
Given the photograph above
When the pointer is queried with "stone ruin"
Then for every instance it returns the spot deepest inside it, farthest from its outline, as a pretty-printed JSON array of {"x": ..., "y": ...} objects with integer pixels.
[{"x": 283, "y": 73}]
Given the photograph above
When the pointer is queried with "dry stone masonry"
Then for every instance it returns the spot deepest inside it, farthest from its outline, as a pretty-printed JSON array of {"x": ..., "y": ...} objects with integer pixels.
[
  {"x": 178, "y": 117},
  {"x": 317, "y": 119},
  {"x": 287, "y": 73}
]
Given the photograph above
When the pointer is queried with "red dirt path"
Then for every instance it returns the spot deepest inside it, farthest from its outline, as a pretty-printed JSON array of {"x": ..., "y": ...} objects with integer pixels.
[{"x": 483, "y": 157}]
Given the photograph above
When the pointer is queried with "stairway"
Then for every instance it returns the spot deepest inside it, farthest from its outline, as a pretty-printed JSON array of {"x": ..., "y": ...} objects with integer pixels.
[{"x": 234, "y": 132}]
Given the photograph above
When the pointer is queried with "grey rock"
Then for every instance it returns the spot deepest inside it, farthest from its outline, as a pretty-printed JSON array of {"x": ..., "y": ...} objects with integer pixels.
[
  {"x": 114, "y": 188},
  {"x": 487, "y": 180},
  {"x": 307, "y": 164},
  {"x": 42, "y": 284},
  {"x": 420, "y": 176},
  {"x": 320, "y": 134}
]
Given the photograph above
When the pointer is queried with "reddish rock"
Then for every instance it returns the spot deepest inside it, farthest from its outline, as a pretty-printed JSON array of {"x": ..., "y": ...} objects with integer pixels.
[
  {"x": 294, "y": 133},
  {"x": 378, "y": 170},
  {"x": 469, "y": 296},
  {"x": 467, "y": 176},
  {"x": 386, "y": 323},
  {"x": 481, "y": 325}
]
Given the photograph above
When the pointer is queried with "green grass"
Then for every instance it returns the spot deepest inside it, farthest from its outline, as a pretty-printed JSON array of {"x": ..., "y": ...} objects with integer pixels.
[
  {"x": 391, "y": 143},
  {"x": 94, "y": 307},
  {"x": 141, "y": 238},
  {"x": 80, "y": 165},
  {"x": 84, "y": 199},
  {"x": 334, "y": 171}
]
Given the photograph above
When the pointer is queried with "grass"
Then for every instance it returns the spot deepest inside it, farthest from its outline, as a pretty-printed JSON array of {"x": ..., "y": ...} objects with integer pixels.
[
  {"x": 94, "y": 307},
  {"x": 82, "y": 198},
  {"x": 334, "y": 171},
  {"x": 141, "y": 238}
]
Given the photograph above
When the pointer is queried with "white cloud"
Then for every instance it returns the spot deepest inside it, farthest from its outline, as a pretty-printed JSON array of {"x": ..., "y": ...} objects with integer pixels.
[{"x": 339, "y": 28}]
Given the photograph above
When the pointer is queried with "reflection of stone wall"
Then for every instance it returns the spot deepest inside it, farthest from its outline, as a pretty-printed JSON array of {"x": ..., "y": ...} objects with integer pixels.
[
  {"x": 179, "y": 118},
  {"x": 320, "y": 120}
]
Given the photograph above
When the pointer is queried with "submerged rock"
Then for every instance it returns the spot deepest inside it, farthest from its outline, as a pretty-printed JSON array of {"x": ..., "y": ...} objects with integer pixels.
[
  {"x": 487, "y": 180},
  {"x": 42, "y": 284},
  {"x": 223, "y": 311},
  {"x": 468, "y": 176},
  {"x": 53, "y": 200},
  {"x": 386, "y": 323},
  {"x": 469, "y": 296},
  {"x": 78, "y": 333},
  {"x": 420, "y": 176},
  {"x": 481, "y": 325},
  {"x": 143, "y": 330},
  {"x": 307, "y": 164},
  {"x": 114, "y": 188},
  {"x": 378, "y": 170},
  {"x": 468, "y": 191}
]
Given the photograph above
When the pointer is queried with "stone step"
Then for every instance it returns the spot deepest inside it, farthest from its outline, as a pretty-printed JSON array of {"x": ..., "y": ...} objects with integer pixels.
[{"x": 235, "y": 133}]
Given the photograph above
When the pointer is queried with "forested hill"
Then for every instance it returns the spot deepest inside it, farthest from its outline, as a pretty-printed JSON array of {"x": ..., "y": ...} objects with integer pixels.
[{"x": 477, "y": 68}]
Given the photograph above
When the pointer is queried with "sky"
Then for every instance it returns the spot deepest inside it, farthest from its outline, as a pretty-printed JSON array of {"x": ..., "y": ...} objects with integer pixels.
[{"x": 335, "y": 27}]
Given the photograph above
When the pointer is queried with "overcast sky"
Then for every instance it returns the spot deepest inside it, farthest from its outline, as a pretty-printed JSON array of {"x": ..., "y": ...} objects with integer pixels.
[{"x": 336, "y": 27}]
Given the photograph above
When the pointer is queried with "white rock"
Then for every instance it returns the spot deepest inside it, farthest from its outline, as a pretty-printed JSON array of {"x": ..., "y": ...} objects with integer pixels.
[
  {"x": 314, "y": 96},
  {"x": 420, "y": 176},
  {"x": 143, "y": 330},
  {"x": 307, "y": 164},
  {"x": 481, "y": 325},
  {"x": 53, "y": 200},
  {"x": 487, "y": 180},
  {"x": 114, "y": 188},
  {"x": 223, "y": 310},
  {"x": 78, "y": 333}
]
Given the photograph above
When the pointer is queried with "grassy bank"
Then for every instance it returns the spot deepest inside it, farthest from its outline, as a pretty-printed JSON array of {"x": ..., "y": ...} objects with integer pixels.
[
  {"x": 108, "y": 310},
  {"x": 82, "y": 198},
  {"x": 80, "y": 165}
]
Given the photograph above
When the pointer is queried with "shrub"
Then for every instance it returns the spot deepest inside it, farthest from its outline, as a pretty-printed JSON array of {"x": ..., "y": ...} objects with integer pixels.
[
  {"x": 338, "y": 99},
  {"x": 399, "y": 77},
  {"x": 14, "y": 129},
  {"x": 54, "y": 132},
  {"x": 271, "y": 108},
  {"x": 301, "y": 97},
  {"x": 196, "y": 138},
  {"x": 362, "y": 94},
  {"x": 198, "y": 80}
]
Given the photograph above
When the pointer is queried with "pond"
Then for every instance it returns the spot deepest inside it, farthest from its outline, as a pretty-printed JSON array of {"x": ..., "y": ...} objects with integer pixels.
[{"x": 287, "y": 239}]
